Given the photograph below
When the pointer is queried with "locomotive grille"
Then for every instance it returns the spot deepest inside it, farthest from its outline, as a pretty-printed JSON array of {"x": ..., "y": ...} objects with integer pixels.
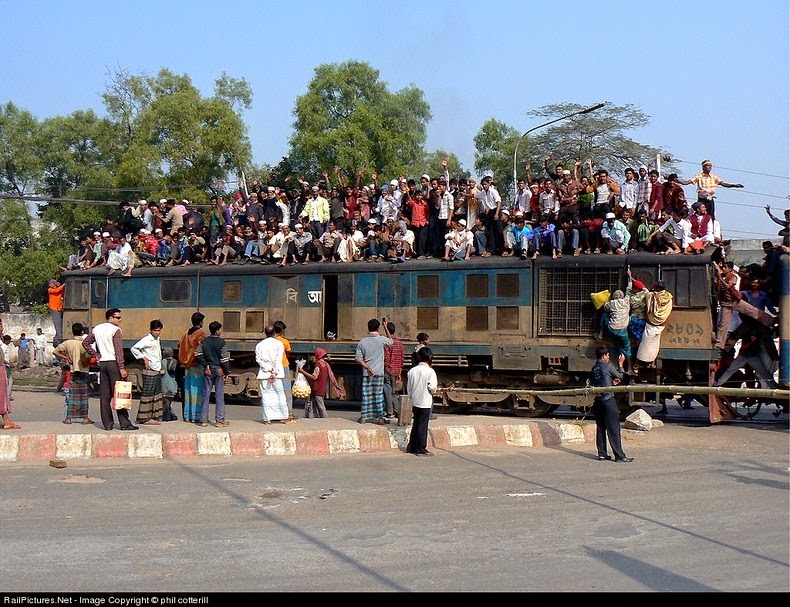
[{"x": 564, "y": 306}]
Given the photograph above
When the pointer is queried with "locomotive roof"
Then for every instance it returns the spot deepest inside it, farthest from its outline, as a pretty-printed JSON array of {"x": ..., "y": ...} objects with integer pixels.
[{"x": 421, "y": 265}]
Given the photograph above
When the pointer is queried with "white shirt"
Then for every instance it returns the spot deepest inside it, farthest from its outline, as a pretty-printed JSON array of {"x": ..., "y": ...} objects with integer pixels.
[
  {"x": 680, "y": 230},
  {"x": 149, "y": 347},
  {"x": 421, "y": 385},
  {"x": 489, "y": 199},
  {"x": 269, "y": 356}
]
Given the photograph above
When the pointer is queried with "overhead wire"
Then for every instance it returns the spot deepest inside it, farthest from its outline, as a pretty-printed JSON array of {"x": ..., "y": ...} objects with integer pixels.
[{"x": 670, "y": 159}]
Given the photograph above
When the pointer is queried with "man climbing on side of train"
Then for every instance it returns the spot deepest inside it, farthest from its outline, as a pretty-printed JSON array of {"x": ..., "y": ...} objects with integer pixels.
[
  {"x": 659, "y": 307},
  {"x": 614, "y": 322}
]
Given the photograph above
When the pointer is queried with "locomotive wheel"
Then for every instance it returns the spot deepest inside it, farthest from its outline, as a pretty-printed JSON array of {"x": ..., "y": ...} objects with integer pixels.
[
  {"x": 539, "y": 409},
  {"x": 450, "y": 407},
  {"x": 742, "y": 408}
]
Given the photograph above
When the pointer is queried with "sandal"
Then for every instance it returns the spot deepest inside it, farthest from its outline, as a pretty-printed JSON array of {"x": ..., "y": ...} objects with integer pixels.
[
  {"x": 67, "y": 420},
  {"x": 87, "y": 421},
  {"x": 267, "y": 422},
  {"x": 11, "y": 426},
  {"x": 289, "y": 421}
]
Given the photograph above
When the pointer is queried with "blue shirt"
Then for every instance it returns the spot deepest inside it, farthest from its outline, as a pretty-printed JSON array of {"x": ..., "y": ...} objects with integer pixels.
[{"x": 603, "y": 375}]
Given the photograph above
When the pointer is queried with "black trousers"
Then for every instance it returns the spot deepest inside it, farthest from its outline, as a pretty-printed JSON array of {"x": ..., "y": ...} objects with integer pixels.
[
  {"x": 108, "y": 375},
  {"x": 607, "y": 421},
  {"x": 418, "y": 439}
]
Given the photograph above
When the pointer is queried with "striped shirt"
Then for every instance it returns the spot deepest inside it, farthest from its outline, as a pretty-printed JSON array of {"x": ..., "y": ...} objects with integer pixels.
[
  {"x": 393, "y": 357},
  {"x": 706, "y": 185}
]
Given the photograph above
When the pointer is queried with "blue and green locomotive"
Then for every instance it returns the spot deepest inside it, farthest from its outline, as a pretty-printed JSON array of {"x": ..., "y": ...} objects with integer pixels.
[{"x": 497, "y": 323}]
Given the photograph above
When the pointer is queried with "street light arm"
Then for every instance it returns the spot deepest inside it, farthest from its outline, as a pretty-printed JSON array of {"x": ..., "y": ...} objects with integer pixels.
[{"x": 586, "y": 110}]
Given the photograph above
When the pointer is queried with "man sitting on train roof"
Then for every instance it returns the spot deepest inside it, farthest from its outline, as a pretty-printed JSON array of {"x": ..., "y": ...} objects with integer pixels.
[
  {"x": 301, "y": 246},
  {"x": 674, "y": 235},
  {"x": 401, "y": 242},
  {"x": 458, "y": 242},
  {"x": 544, "y": 239},
  {"x": 518, "y": 237},
  {"x": 615, "y": 235}
]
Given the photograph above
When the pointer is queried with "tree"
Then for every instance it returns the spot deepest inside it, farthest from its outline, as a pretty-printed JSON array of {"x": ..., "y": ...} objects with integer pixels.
[
  {"x": 24, "y": 277},
  {"x": 349, "y": 118},
  {"x": 494, "y": 146},
  {"x": 432, "y": 165},
  {"x": 599, "y": 135},
  {"x": 20, "y": 155}
]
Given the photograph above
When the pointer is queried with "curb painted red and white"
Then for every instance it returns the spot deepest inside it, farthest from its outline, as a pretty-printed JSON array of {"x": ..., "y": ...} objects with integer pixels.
[{"x": 215, "y": 442}]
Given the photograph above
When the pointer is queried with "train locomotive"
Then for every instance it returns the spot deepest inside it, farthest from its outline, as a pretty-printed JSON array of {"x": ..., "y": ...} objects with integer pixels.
[{"x": 498, "y": 326}]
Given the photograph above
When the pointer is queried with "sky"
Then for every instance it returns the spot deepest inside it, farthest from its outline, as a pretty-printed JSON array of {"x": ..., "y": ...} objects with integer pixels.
[{"x": 713, "y": 77}]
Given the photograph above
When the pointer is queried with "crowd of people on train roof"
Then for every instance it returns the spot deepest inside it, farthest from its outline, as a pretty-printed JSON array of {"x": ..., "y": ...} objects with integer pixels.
[{"x": 565, "y": 211}]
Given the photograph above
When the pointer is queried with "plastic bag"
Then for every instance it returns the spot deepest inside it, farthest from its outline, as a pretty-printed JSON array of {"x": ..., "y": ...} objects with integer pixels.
[
  {"x": 301, "y": 387},
  {"x": 600, "y": 298},
  {"x": 122, "y": 397}
]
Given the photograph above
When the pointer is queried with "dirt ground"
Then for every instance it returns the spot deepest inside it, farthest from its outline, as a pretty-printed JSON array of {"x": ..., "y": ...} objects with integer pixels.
[{"x": 37, "y": 376}]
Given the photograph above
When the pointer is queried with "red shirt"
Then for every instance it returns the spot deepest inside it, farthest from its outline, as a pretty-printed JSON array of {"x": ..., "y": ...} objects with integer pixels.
[
  {"x": 350, "y": 203},
  {"x": 419, "y": 213},
  {"x": 393, "y": 357}
]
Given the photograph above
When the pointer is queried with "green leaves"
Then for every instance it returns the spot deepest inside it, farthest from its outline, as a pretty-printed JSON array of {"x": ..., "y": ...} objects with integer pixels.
[{"x": 348, "y": 118}]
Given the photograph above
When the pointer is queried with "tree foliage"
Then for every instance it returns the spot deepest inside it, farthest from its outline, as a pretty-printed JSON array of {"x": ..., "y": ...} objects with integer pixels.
[
  {"x": 20, "y": 159},
  {"x": 494, "y": 146},
  {"x": 159, "y": 138},
  {"x": 349, "y": 118},
  {"x": 432, "y": 165},
  {"x": 24, "y": 277},
  {"x": 599, "y": 135}
]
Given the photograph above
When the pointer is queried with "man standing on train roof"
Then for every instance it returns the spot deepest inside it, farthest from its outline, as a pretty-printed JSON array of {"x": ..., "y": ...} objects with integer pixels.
[
  {"x": 370, "y": 354},
  {"x": 706, "y": 183}
]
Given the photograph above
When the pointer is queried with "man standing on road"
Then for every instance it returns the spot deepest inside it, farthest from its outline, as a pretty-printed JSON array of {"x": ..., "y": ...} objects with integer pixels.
[
  {"x": 106, "y": 343},
  {"x": 422, "y": 384},
  {"x": 192, "y": 391},
  {"x": 25, "y": 345},
  {"x": 393, "y": 369},
  {"x": 279, "y": 335},
  {"x": 40, "y": 345},
  {"x": 607, "y": 417},
  {"x": 215, "y": 360},
  {"x": 269, "y": 356},
  {"x": 370, "y": 354}
]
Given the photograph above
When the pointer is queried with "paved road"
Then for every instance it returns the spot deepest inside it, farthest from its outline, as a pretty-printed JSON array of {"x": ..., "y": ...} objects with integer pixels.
[{"x": 700, "y": 510}]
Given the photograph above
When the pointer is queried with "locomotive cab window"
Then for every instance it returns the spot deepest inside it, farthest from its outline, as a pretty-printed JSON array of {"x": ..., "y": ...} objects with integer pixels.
[
  {"x": 175, "y": 291},
  {"x": 686, "y": 286},
  {"x": 231, "y": 321},
  {"x": 254, "y": 322},
  {"x": 506, "y": 318},
  {"x": 477, "y": 318},
  {"x": 428, "y": 318}
]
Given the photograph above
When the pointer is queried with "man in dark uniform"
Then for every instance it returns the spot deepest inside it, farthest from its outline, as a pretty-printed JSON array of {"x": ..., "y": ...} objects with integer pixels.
[{"x": 607, "y": 417}]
